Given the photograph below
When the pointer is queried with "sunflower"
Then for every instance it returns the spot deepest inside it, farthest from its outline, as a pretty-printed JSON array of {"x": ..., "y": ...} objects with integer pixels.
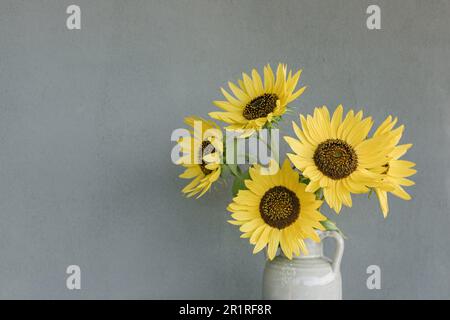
[
  {"x": 201, "y": 156},
  {"x": 276, "y": 210},
  {"x": 394, "y": 171},
  {"x": 255, "y": 103},
  {"x": 336, "y": 155}
]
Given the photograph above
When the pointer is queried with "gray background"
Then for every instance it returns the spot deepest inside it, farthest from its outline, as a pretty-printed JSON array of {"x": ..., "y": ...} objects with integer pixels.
[{"x": 85, "y": 124}]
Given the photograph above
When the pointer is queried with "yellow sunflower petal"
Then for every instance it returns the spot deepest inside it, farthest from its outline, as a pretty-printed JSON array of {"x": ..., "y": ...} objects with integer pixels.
[{"x": 276, "y": 210}]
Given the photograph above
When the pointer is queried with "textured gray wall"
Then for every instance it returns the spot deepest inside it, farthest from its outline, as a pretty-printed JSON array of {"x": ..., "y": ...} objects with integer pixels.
[{"x": 85, "y": 124}]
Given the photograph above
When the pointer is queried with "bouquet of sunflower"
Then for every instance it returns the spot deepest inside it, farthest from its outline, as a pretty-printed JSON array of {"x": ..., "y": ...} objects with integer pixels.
[{"x": 277, "y": 204}]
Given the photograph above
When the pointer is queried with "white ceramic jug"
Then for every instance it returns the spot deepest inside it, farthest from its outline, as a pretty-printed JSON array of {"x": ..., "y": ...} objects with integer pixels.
[{"x": 306, "y": 277}]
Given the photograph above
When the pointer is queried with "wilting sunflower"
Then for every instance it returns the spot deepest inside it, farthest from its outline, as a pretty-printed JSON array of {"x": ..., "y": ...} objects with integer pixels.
[
  {"x": 277, "y": 211},
  {"x": 255, "y": 103},
  {"x": 336, "y": 155},
  {"x": 201, "y": 156},
  {"x": 394, "y": 171}
]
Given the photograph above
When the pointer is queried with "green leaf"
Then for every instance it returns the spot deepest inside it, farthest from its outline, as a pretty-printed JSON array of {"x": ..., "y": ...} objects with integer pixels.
[
  {"x": 304, "y": 180},
  {"x": 234, "y": 168},
  {"x": 277, "y": 119},
  {"x": 331, "y": 226},
  {"x": 319, "y": 194},
  {"x": 225, "y": 170},
  {"x": 245, "y": 175},
  {"x": 239, "y": 183},
  {"x": 267, "y": 125}
]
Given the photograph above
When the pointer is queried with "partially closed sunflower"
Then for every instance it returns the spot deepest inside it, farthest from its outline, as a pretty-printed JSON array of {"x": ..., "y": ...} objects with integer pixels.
[
  {"x": 202, "y": 155},
  {"x": 394, "y": 171},
  {"x": 277, "y": 211},
  {"x": 335, "y": 154},
  {"x": 255, "y": 102}
]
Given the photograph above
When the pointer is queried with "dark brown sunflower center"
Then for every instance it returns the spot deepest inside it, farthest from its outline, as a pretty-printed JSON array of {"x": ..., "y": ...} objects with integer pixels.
[
  {"x": 279, "y": 207},
  {"x": 335, "y": 158},
  {"x": 207, "y": 148},
  {"x": 261, "y": 106}
]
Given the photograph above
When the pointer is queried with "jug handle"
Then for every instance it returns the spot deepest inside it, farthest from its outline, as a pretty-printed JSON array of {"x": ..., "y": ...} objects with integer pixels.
[{"x": 335, "y": 265}]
